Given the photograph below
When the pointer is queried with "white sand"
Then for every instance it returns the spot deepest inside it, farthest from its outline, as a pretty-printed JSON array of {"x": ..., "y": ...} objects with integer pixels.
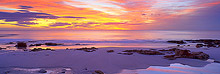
[{"x": 109, "y": 63}]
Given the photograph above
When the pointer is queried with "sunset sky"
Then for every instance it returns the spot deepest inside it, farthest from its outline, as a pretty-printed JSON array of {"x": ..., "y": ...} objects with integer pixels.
[{"x": 110, "y": 14}]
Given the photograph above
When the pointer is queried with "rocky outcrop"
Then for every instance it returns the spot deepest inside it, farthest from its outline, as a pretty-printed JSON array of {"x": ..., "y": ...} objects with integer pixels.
[
  {"x": 187, "y": 54},
  {"x": 88, "y": 49},
  {"x": 144, "y": 52},
  {"x": 206, "y": 43},
  {"x": 42, "y": 71},
  {"x": 98, "y": 72},
  {"x": 2, "y": 48},
  {"x": 127, "y": 53},
  {"x": 177, "y": 42},
  {"x": 21, "y": 45},
  {"x": 109, "y": 51},
  {"x": 40, "y": 49},
  {"x": 52, "y": 44}
]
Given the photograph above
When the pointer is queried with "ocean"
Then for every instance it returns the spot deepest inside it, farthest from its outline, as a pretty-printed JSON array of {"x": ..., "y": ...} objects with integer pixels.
[{"x": 149, "y": 38}]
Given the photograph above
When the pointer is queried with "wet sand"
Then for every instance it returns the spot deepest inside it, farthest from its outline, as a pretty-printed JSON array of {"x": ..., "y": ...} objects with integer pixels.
[{"x": 82, "y": 62}]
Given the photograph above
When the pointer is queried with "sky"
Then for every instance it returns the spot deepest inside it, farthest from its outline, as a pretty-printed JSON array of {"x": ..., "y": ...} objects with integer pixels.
[{"x": 109, "y": 14}]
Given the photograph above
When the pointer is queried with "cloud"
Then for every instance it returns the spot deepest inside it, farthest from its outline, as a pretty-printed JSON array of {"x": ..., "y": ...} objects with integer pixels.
[
  {"x": 25, "y": 16},
  {"x": 103, "y": 14},
  {"x": 21, "y": 25},
  {"x": 25, "y": 7},
  {"x": 59, "y": 24}
]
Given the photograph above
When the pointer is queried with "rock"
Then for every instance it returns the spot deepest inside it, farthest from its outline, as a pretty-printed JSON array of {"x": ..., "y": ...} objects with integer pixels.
[
  {"x": 88, "y": 49},
  {"x": 182, "y": 53},
  {"x": 109, "y": 51},
  {"x": 207, "y": 42},
  {"x": 210, "y": 45},
  {"x": 63, "y": 71},
  {"x": 21, "y": 44},
  {"x": 52, "y": 44},
  {"x": 177, "y": 42},
  {"x": 200, "y": 55},
  {"x": 42, "y": 71},
  {"x": 2, "y": 48},
  {"x": 98, "y": 72},
  {"x": 7, "y": 72},
  {"x": 199, "y": 45},
  {"x": 77, "y": 44},
  {"x": 170, "y": 57},
  {"x": 40, "y": 49},
  {"x": 145, "y": 52},
  {"x": 187, "y": 54},
  {"x": 217, "y": 61},
  {"x": 127, "y": 53}
]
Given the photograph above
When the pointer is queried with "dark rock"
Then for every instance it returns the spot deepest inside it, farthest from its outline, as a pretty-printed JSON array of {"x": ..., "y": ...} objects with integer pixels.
[
  {"x": 207, "y": 42},
  {"x": 42, "y": 71},
  {"x": 2, "y": 48},
  {"x": 177, "y": 42},
  {"x": 77, "y": 44},
  {"x": 199, "y": 45},
  {"x": 199, "y": 55},
  {"x": 145, "y": 52},
  {"x": 210, "y": 45},
  {"x": 88, "y": 49},
  {"x": 128, "y": 53},
  {"x": 63, "y": 71},
  {"x": 217, "y": 61},
  {"x": 187, "y": 54},
  {"x": 182, "y": 53},
  {"x": 109, "y": 51},
  {"x": 40, "y": 49},
  {"x": 7, "y": 72},
  {"x": 21, "y": 44},
  {"x": 52, "y": 44},
  {"x": 98, "y": 72}
]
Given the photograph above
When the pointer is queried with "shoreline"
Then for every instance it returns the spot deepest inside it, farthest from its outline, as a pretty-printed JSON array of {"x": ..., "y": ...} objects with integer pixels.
[{"x": 109, "y": 63}]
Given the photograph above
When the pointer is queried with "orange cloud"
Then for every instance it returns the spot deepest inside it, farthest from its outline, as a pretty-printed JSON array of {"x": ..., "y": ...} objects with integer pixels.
[{"x": 125, "y": 14}]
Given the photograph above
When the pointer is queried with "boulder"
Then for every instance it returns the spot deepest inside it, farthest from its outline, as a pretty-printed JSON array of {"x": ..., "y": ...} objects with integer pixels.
[
  {"x": 98, "y": 72},
  {"x": 199, "y": 45},
  {"x": 21, "y": 45},
  {"x": 42, "y": 71},
  {"x": 109, "y": 51},
  {"x": 52, "y": 44}
]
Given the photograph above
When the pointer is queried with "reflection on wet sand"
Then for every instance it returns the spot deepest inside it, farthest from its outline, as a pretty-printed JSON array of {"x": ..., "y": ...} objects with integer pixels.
[{"x": 177, "y": 68}]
